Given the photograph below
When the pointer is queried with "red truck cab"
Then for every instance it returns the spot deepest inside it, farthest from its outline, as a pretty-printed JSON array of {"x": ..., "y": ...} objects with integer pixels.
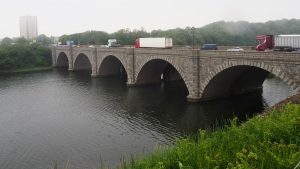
[
  {"x": 137, "y": 43},
  {"x": 264, "y": 42}
]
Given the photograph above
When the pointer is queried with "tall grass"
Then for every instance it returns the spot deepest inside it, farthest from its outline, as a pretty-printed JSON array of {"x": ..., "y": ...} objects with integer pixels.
[{"x": 266, "y": 141}]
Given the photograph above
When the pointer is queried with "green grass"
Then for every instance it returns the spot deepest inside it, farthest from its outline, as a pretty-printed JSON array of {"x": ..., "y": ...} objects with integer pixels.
[
  {"x": 25, "y": 70},
  {"x": 268, "y": 141}
]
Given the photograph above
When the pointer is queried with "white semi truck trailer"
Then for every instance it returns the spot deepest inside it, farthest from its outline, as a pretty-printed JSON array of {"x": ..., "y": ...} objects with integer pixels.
[{"x": 162, "y": 42}]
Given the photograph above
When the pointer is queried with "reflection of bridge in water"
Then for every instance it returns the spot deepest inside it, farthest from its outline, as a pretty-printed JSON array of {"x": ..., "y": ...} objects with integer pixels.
[{"x": 206, "y": 74}]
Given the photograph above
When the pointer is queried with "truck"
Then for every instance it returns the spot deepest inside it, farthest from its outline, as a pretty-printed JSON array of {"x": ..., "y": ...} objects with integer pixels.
[
  {"x": 112, "y": 43},
  {"x": 287, "y": 43},
  {"x": 70, "y": 43},
  {"x": 161, "y": 42},
  {"x": 209, "y": 47}
]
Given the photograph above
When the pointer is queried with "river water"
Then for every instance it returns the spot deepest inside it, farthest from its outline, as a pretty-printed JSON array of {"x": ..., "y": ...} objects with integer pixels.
[{"x": 58, "y": 116}]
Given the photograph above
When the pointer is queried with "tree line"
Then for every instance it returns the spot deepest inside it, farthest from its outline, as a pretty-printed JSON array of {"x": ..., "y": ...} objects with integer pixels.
[
  {"x": 240, "y": 33},
  {"x": 20, "y": 53}
]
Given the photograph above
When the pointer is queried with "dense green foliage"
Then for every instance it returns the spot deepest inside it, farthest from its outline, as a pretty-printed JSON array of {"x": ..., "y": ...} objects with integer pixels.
[
  {"x": 20, "y": 54},
  {"x": 222, "y": 33},
  {"x": 43, "y": 40},
  {"x": 270, "y": 141}
]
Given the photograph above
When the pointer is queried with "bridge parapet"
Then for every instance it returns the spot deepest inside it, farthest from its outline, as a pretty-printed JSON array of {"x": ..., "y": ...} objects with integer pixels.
[
  {"x": 169, "y": 52},
  {"x": 117, "y": 50},
  {"x": 83, "y": 49},
  {"x": 62, "y": 47},
  {"x": 268, "y": 56}
]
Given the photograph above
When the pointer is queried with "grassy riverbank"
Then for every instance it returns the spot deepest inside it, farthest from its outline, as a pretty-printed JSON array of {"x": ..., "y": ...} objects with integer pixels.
[
  {"x": 271, "y": 140},
  {"x": 27, "y": 70}
]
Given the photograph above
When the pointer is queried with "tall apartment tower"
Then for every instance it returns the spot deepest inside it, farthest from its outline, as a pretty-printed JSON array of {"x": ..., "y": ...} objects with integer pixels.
[{"x": 28, "y": 27}]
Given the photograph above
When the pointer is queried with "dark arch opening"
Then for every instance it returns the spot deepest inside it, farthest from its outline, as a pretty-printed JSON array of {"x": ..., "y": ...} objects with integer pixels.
[
  {"x": 82, "y": 63},
  {"x": 111, "y": 66},
  {"x": 159, "y": 71},
  {"x": 62, "y": 61},
  {"x": 235, "y": 80}
]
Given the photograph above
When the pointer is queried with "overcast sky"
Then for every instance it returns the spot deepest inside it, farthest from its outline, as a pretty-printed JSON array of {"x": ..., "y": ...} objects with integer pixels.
[{"x": 57, "y": 17}]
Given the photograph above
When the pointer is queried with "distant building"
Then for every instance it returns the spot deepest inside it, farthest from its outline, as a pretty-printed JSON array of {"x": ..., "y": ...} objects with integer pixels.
[{"x": 28, "y": 27}]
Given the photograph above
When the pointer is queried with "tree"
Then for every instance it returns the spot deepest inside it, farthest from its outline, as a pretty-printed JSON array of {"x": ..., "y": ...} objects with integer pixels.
[
  {"x": 44, "y": 40},
  {"x": 24, "y": 55},
  {"x": 6, "y": 41},
  {"x": 21, "y": 41},
  {"x": 221, "y": 33}
]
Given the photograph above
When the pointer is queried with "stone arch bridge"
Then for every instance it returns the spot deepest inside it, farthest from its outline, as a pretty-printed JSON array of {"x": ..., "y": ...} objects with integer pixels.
[{"x": 207, "y": 74}]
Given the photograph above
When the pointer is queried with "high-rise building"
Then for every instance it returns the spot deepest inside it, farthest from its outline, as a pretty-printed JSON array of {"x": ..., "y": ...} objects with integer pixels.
[{"x": 28, "y": 27}]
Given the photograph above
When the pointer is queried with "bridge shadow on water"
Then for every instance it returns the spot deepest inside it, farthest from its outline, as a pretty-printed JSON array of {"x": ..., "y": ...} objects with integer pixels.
[{"x": 165, "y": 104}]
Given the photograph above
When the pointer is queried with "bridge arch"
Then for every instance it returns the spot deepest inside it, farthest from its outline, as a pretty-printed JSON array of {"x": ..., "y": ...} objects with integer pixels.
[
  {"x": 236, "y": 77},
  {"x": 62, "y": 60},
  {"x": 112, "y": 66},
  {"x": 156, "y": 70},
  {"x": 82, "y": 62}
]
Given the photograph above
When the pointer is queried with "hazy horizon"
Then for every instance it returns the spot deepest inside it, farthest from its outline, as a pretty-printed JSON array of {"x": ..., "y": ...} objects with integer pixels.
[{"x": 68, "y": 16}]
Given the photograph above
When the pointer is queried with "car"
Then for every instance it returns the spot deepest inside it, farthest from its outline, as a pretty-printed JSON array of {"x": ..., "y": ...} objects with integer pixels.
[
  {"x": 187, "y": 47},
  {"x": 236, "y": 49},
  {"x": 296, "y": 51},
  {"x": 209, "y": 47}
]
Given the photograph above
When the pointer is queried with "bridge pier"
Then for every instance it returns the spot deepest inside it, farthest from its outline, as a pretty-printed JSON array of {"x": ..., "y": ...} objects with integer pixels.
[
  {"x": 71, "y": 63},
  {"x": 94, "y": 75},
  {"x": 94, "y": 63},
  {"x": 193, "y": 99},
  {"x": 53, "y": 51},
  {"x": 130, "y": 84},
  {"x": 130, "y": 80},
  {"x": 94, "y": 70},
  {"x": 71, "y": 67}
]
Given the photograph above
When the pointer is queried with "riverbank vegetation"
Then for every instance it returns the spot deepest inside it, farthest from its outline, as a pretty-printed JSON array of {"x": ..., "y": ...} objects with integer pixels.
[
  {"x": 240, "y": 33},
  {"x": 20, "y": 55},
  {"x": 270, "y": 140}
]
